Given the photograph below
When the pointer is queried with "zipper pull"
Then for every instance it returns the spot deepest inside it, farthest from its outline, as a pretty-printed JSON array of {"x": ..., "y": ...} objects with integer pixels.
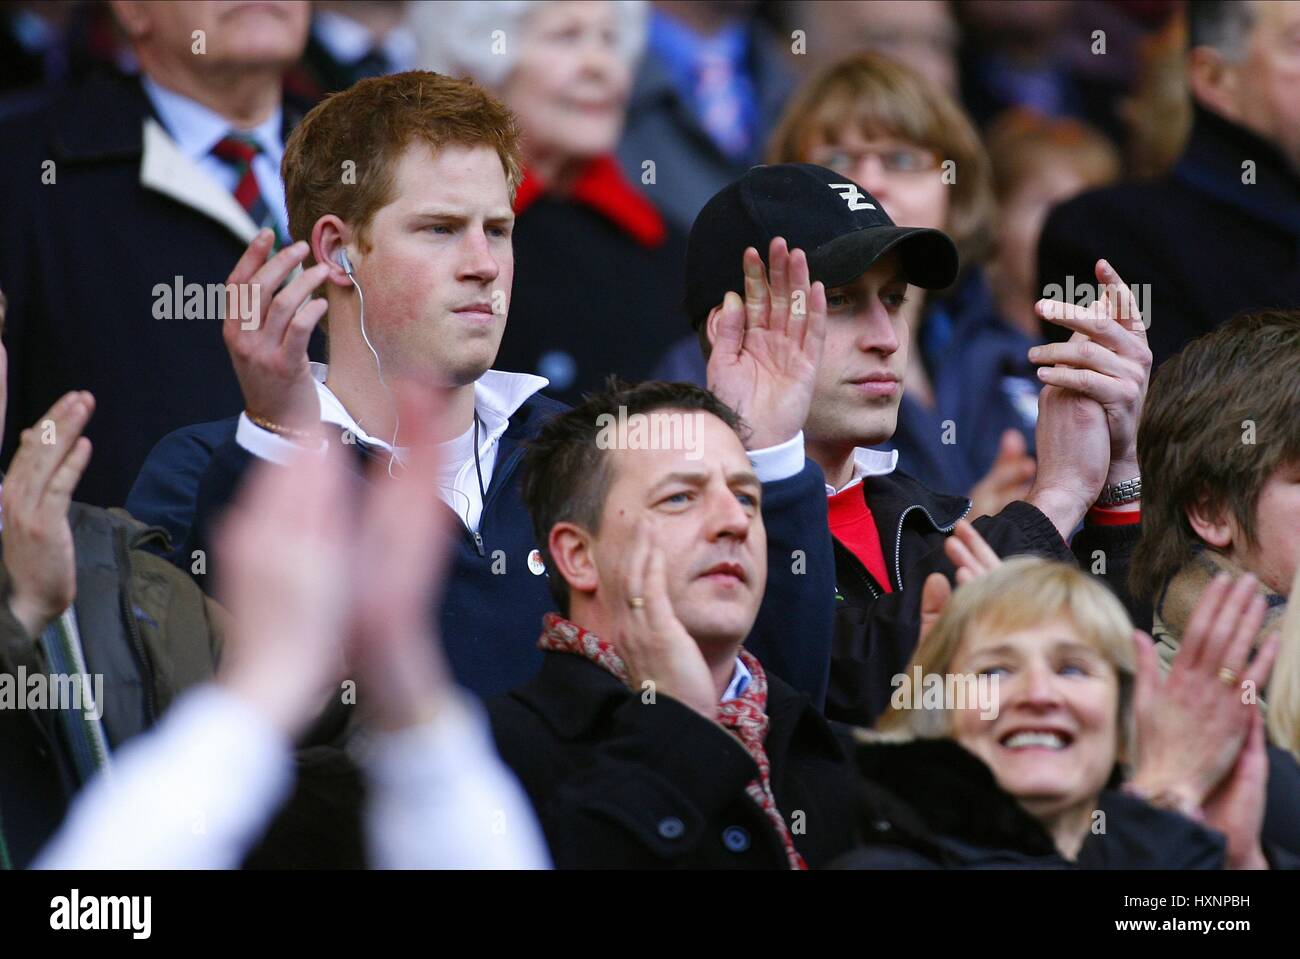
[{"x": 478, "y": 542}]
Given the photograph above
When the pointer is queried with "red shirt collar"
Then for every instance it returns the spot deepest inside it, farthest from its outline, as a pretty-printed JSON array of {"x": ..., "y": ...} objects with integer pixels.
[{"x": 602, "y": 187}]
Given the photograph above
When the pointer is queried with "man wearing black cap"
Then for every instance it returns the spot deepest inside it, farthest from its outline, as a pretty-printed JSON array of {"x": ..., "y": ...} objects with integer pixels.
[{"x": 888, "y": 529}]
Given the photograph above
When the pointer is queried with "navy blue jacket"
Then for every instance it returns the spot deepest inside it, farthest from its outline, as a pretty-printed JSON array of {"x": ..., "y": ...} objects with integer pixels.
[
  {"x": 79, "y": 260},
  {"x": 493, "y": 607}
]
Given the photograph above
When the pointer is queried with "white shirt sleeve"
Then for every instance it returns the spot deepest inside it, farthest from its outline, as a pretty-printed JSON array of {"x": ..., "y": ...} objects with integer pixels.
[
  {"x": 195, "y": 792},
  {"x": 441, "y": 798},
  {"x": 779, "y": 462},
  {"x": 266, "y": 445}
]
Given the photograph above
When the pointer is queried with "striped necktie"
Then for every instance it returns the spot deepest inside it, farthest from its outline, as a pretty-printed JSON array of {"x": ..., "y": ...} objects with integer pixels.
[{"x": 237, "y": 151}]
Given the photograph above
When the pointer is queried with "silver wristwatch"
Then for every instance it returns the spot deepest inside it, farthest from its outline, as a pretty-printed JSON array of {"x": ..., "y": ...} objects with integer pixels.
[{"x": 1117, "y": 494}]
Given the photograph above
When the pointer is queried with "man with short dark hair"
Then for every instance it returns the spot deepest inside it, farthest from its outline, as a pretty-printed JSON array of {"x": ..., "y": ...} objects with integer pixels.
[
  {"x": 651, "y": 738},
  {"x": 1220, "y": 232}
]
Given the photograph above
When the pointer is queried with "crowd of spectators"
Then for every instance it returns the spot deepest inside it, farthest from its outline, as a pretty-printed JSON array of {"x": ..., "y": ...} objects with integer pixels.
[{"x": 606, "y": 434}]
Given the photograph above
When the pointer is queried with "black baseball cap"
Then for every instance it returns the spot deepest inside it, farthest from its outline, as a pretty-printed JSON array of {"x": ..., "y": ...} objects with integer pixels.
[{"x": 841, "y": 227}]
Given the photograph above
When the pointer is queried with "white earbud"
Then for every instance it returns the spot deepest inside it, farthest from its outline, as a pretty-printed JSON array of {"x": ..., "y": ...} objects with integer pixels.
[{"x": 341, "y": 258}]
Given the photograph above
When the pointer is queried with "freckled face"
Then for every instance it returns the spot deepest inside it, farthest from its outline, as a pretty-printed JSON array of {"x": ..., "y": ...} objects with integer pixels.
[{"x": 439, "y": 267}]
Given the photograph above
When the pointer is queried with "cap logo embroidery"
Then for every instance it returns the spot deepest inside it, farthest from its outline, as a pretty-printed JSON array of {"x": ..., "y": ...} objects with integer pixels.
[{"x": 854, "y": 197}]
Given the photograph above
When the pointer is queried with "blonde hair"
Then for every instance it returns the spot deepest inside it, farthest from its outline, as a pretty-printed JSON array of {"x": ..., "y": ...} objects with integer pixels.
[
  {"x": 883, "y": 98},
  {"x": 1023, "y": 592},
  {"x": 1284, "y": 686}
]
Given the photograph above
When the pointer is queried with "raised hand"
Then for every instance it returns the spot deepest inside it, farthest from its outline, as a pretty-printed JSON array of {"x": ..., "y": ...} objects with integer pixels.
[
  {"x": 1236, "y": 807},
  {"x": 654, "y": 645},
  {"x": 1192, "y": 726},
  {"x": 269, "y": 350},
  {"x": 402, "y": 554},
  {"x": 935, "y": 593},
  {"x": 766, "y": 348},
  {"x": 973, "y": 557},
  {"x": 969, "y": 552},
  {"x": 1073, "y": 457},
  {"x": 37, "y": 492},
  {"x": 284, "y": 577},
  {"x": 1106, "y": 359}
]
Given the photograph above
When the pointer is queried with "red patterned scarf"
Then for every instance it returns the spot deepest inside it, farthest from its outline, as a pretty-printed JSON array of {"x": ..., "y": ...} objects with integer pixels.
[{"x": 745, "y": 717}]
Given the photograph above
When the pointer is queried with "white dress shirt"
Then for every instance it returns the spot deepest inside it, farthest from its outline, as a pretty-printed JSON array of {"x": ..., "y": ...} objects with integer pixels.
[
  {"x": 196, "y": 130},
  {"x": 867, "y": 463},
  {"x": 199, "y": 790},
  {"x": 740, "y": 680},
  {"x": 497, "y": 396}
]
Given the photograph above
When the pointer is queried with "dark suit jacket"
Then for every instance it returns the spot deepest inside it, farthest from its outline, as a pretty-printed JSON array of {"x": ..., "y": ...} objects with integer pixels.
[
  {"x": 80, "y": 257},
  {"x": 1208, "y": 244},
  {"x": 619, "y": 783}
]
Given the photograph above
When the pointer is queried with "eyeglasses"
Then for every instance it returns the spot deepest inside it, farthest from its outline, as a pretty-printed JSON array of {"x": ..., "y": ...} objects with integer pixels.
[{"x": 893, "y": 159}]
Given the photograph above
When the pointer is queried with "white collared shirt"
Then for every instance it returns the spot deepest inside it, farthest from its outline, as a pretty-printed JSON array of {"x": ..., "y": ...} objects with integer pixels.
[
  {"x": 740, "y": 680},
  {"x": 196, "y": 130},
  {"x": 497, "y": 396},
  {"x": 867, "y": 463}
]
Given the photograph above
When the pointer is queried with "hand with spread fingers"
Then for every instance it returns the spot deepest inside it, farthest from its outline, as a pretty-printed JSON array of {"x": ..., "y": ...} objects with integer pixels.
[
  {"x": 1107, "y": 359},
  {"x": 269, "y": 350},
  {"x": 969, "y": 552},
  {"x": 972, "y": 555},
  {"x": 652, "y": 642},
  {"x": 1192, "y": 727},
  {"x": 766, "y": 348},
  {"x": 34, "y": 502},
  {"x": 327, "y": 579}
]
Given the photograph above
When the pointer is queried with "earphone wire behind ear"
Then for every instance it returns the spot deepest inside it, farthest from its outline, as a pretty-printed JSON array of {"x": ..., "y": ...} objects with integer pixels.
[{"x": 345, "y": 264}]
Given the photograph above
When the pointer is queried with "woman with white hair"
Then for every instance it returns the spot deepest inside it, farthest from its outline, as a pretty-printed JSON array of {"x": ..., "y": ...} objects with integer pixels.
[{"x": 598, "y": 284}]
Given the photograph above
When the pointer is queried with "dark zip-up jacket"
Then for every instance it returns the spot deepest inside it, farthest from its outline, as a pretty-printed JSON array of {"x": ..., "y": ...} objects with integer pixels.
[{"x": 876, "y": 632}]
